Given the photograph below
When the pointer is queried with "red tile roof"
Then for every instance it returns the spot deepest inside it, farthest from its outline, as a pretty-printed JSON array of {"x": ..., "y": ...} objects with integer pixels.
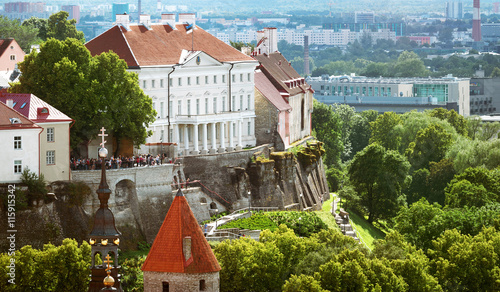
[
  {"x": 30, "y": 106},
  {"x": 160, "y": 44},
  {"x": 4, "y": 44},
  {"x": 166, "y": 254},
  {"x": 7, "y": 113},
  {"x": 267, "y": 89},
  {"x": 281, "y": 73}
]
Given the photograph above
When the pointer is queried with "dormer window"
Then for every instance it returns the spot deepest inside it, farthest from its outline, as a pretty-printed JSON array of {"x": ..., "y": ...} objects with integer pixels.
[
  {"x": 15, "y": 121},
  {"x": 43, "y": 111},
  {"x": 24, "y": 104}
]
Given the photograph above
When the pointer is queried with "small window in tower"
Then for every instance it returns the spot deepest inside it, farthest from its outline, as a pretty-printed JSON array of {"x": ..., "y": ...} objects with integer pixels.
[
  {"x": 203, "y": 286},
  {"x": 12, "y": 57},
  {"x": 165, "y": 287}
]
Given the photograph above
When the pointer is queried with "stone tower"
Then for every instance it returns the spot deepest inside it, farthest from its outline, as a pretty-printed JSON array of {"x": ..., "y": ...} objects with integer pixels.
[
  {"x": 104, "y": 238},
  {"x": 180, "y": 259}
]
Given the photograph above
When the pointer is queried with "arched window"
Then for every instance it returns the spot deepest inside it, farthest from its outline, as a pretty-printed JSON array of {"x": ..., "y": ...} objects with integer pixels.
[
  {"x": 213, "y": 205},
  {"x": 165, "y": 287}
]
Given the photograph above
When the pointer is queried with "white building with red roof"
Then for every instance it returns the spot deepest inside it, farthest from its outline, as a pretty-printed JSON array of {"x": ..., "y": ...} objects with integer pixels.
[
  {"x": 10, "y": 54},
  {"x": 53, "y": 149},
  {"x": 202, "y": 88},
  {"x": 19, "y": 143}
]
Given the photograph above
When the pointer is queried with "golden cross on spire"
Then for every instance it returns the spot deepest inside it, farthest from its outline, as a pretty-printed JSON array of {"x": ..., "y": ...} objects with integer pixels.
[
  {"x": 107, "y": 261},
  {"x": 102, "y": 135}
]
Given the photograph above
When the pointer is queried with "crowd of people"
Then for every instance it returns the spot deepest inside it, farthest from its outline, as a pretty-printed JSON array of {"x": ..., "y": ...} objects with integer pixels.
[{"x": 118, "y": 162}]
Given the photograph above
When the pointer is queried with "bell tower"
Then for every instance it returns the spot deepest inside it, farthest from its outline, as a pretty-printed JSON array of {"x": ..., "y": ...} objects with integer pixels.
[{"x": 104, "y": 238}]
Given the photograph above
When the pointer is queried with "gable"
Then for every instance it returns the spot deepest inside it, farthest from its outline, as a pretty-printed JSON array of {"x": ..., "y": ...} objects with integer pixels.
[{"x": 197, "y": 59}]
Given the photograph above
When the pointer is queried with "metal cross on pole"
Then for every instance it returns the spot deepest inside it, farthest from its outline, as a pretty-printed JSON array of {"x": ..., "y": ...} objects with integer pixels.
[
  {"x": 107, "y": 261},
  {"x": 102, "y": 135}
]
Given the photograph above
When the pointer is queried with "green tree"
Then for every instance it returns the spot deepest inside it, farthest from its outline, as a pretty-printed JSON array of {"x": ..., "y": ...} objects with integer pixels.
[
  {"x": 495, "y": 72},
  {"x": 467, "y": 153},
  {"x": 379, "y": 176},
  {"x": 302, "y": 283},
  {"x": 431, "y": 144},
  {"x": 441, "y": 173},
  {"x": 457, "y": 121},
  {"x": 409, "y": 64},
  {"x": 385, "y": 130},
  {"x": 474, "y": 187},
  {"x": 39, "y": 23},
  {"x": 94, "y": 91},
  {"x": 361, "y": 131},
  {"x": 60, "y": 28},
  {"x": 25, "y": 36},
  {"x": 327, "y": 128}
]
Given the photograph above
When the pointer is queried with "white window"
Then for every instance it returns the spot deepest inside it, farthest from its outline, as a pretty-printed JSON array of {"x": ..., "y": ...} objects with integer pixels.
[
  {"x": 161, "y": 83},
  {"x": 12, "y": 57},
  {"x": 215, "y": 105},
  {"x": 197, "y": 80},
  {"x": 249, "y": 102},
  {"x": 152, "y": 84},
  {"x": 197, "y": 106},
  {"x": 170, "y": 82},
  {"x": 18, "y": 166},
  {"x": 233, "y": 103},
  {"x": 180, "y": 81},
  {"x": 223, "y": 78},
  {"x": 206, "y": 79},
  {"x": 241, "y": 77},
  {"x": 18, "y": 143},
  {"x": 249, "y": 77},
  {"x": 179, "y": 107},
  {"x": 170, "y": 106},
  {"x": 51, "y": 157},
  {"x": 206, "y": 105},
  {"x": 189, "y": 107},
  {"x": 249, "y": 128},
  {"x": 162, "y": 113},
  {"x": 215, "y": 79},
  {"x": 50, "y": 135},
  {"x": 223, "y": 104},
  {"x": 189, "y": 80},
  {"x": 144, "y": 84},
  {"x": 233, "y": 78},
  {"x": 241, "y": 103}
]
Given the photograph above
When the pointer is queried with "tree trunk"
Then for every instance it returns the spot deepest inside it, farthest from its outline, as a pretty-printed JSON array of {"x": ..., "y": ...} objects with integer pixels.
[{"x": 117, "y": 139}]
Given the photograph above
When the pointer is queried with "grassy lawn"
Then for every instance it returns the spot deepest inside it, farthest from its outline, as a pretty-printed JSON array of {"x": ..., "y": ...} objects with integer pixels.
[
  {"x": 365, "y": 231},
  {"x": 325, "y": 214}
]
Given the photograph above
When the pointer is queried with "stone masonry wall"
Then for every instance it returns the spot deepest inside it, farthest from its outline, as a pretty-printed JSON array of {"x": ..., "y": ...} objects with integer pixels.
[{"x": 180, "y": 282}]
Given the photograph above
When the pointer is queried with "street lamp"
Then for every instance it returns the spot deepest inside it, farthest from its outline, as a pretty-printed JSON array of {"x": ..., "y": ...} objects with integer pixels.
[
  {"x": 300, "y": 226},
  {"x": 250, "y": 202},
  {"x": 161, "y": 151}
]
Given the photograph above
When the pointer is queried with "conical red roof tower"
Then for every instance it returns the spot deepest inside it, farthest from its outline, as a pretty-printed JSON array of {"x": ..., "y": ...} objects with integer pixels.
[{"x": 180, "y": 250}]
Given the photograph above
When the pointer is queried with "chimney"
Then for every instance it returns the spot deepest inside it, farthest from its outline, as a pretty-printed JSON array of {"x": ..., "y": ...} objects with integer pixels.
[
  {"x": 145, "y": 19},
  {"x": 476, "y": 22},
  {"x": 123, "y": 19},
  {"x": 168, "y": 19},
  {"x": 306, "y": 55},
  {"x": 272, "y": 38},
  {"x": 187, "y": 17},
  {"x": 10, "y": 103}
]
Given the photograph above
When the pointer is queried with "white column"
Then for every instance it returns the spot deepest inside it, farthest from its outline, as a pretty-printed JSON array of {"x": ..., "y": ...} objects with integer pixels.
[
  {"x": 204, "y": 138},
  {"x": 222, "y": 137},
  {"x": 240, "y": 146},
  {"x": 231, "y": 136},
  {"x": 214, "y": 137},
  {"x": 186, "y": 139},
  {"x": 195, "y": 139},
  {"x": 176, "y": 134}
]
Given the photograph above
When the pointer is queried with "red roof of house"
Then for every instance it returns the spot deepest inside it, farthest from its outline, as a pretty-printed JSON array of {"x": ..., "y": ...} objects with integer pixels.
[
  {"x": 31, "y": 107},
  {"x": 281, "y": 73},
  {"x": 7, "y": 122},
  {"x": 4, "y": 45},
  {"x": 160, "y": 44},
  {"x": 166, "y": 254},
  {"x": 267, "y": 89}
]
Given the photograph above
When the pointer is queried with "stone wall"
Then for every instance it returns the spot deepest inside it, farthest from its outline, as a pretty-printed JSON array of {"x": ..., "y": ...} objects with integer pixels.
[
  {"x": 180, "y": 282},
  {"x": 274, "y": 179}
]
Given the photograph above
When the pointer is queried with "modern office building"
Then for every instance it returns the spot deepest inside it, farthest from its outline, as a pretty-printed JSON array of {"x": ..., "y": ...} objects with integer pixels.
[
  {"x": 454, "y": 10},
  {"x": 393, "y": 94},
  {"x": 484, "y": 95},
  {"x": 364, "y": 17}
]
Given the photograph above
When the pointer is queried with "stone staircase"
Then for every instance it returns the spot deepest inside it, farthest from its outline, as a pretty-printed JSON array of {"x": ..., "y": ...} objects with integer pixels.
[{"x": 342, "y": 219}]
